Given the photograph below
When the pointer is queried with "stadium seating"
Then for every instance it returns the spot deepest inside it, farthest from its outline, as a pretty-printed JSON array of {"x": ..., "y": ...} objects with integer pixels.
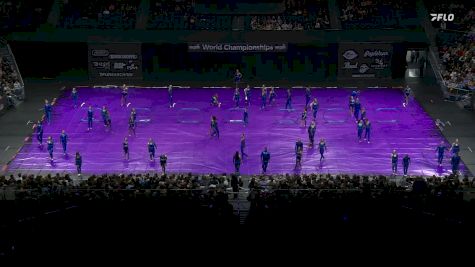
[{"x": 24, "y": 14}]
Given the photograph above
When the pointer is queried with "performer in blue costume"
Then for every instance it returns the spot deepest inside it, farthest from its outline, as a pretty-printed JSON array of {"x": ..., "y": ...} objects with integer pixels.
[
  {"x": 303, "y": 118},
  {"x": 367, "y": 130},
  {"x": 407, "y": 94},
  {"x": 39, "y": 132},
  {"x": 48, "y": 109},
  {"x": 455, "y": 147},
  {"x": 151, "y": 149},
  {"x": 63, "y": 138},
  {"x": 360, "y": 127},
  {"x": 170, "y": 96},
  {"x": 322, "y": 146},
  {"x": 90, "y": 117},
  {"x": 214, "y": 130},
  {"x": 308, "y": 95},
  {"x": 357, "y": 108},
  {"x": 124, "y": 93},
  {"x": 272, "y": 96},
  {"x": 237, "y": 77},
  {"x": 243, "y": 145},
  {"x": 247, "y": 95},
  {"x": 125, "y": 147},
  {"x": 314, "y": 106},
  {"x": 312, "y": 129},
  {"x": 163, "y": 162},
  {"x": 394, "y": 161},
  {"x": 263, "y": 97},
  {"x": 288, "y": 102},
  {"x": 405, "y": 164},
  {"x": 245, "y": 118},
  {"x": 455, "y": 161},
  {"x": 78, "y": 162},
  {"x": 440, "y": 152},
  {"x": 236, "y": 97},
  {"x": 237, "y": 161},
  {"x": 74, "y": 96},
  {"x": 265, "y": 158},
  {"x": 50, "y": 146}
]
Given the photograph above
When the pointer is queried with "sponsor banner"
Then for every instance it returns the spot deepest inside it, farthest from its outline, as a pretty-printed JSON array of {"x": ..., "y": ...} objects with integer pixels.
[
  {"x": 364, "y": 60},
  {"x": 240, "y": 48},
  {"x": 114, "y": 61}
]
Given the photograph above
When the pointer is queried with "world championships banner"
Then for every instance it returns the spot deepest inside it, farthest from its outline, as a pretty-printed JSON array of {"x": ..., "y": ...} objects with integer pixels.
[
  {"x": 239, "y": 48},
  {"x": 115, "y": 61},
  {"x": 364, "y": 60}
]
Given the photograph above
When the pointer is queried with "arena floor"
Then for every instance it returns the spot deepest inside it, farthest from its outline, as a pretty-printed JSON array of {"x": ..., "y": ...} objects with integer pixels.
[{"x": 182, "y": 133}]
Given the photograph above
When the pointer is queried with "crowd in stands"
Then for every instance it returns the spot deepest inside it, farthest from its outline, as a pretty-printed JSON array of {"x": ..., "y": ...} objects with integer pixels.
[
  {"x": 457, "y": 48},
  {"x": 10, "y": 85},
  {"x": 23, "y": 14},
  {"x": 464, "y": 14},
  {"x": 376, "y": 13},
  {"x": 298, "y": 15},
  {"x": 106, "y": 14}
]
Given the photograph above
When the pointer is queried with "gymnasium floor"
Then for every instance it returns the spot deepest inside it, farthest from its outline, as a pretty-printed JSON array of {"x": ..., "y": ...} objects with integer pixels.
[{"x": 182, "y": 133}]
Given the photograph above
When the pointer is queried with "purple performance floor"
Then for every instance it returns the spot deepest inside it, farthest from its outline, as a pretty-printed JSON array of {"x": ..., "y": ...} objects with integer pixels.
[{"x": 182, "y": 133}]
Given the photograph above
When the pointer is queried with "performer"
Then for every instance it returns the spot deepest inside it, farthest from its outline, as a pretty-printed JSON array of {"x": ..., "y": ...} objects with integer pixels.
[
  {"x": 308, "y": 95},
  {"x": 311, "y": 133},
  {"x": 298, "y": 159},
  {"x": 355, "y": 93},
  {"x": 352, "y": 105},
  {"x": 360, "y": 127},
  {"x": 78, "y": 161},
  {"x": 214, "y": 126},
  {"x": 125, "y": 147},
  {"x": 314, "y": 106},
  {"x": 455, "y": 161},
  {"x": 245, "y": 118},
  {"x": 303, "y": 118},
  {"x": 63, "y": 138},
  {"x": 237, "y": 161},
  {"x": 298, "y": 145},
  {"x": 440, "y": 152},
  {"x": 405, "y": 164},
  {"x": 125, "y": 92},
  {"x": 455, "y": 147},
  {"x": 39, "y": 132},
  {"x": 265, "y": 158},
  {"x": 288, "y": 103},
  {"x": 108, "y": 119},
  {"x": 163, "y": 162},
  {"x": 215, "y": 101},
  {"x": 247, "y": 95},
  {"x": 104, "y": 116},
  {"x": 74, "y": 96},
  {"x": 151, "y": 149},
  {"x": 237, "y": 77},
  {"x": 236, "y": 97},
  {"x": 48, "y": 109},
  {"x": 243, "y": 145},
  {"x": 357, "y": 108},
  {"x": 322, "y": 147},
  {"x": 263, "y": 97},
  {"x": 363, "y": 114},
  {"x": 133, "y": 114},
  {"x": 170, "y": 96},
  {"x": 394, "y": 160},
  {"x": 407, "y": 94},
  {"x": 50, "y": 147},
  {"x": 132, "y": 125},
  {"x": 367, "y": 130},
  {"x": 90, "y": 115},
  {"x": 272, "y": 96}
]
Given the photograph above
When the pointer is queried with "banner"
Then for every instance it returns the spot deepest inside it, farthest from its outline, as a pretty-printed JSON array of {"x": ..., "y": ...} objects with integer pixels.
[
  {"x": 115, "y": 61},
  {"x": 229, "y": 47},
  {"x": 364, "y": 60}
]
